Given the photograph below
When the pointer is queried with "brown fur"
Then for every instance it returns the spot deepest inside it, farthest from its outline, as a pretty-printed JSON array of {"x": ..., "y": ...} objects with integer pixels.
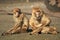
[
  {"x": 51, "y": 30},
  {"x": 21, "y": 22},
  {"x": 36, "y": 23}
]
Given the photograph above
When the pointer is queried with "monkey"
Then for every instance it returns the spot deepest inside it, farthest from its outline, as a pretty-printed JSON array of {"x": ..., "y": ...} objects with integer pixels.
[
  {"x": 21, "y": 22},
  {"x": 38, "y": 20}
]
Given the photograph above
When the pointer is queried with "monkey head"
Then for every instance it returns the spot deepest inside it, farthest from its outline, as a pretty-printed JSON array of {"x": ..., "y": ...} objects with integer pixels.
[
  {"x": 16, "y": 12},
  {"x": 37, "y": 12}
]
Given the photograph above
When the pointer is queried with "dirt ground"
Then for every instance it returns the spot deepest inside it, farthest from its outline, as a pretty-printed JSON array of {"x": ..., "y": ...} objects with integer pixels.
[{"x": 6, "y": 22}]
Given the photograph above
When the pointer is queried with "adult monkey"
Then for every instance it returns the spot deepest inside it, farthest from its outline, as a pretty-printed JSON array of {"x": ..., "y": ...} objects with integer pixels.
[
  {"x": 38, "y": 20},
  {"x": 21, "y": 22}
]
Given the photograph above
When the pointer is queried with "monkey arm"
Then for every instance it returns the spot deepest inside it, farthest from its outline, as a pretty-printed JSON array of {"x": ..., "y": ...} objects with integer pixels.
[
  {"x": 25, "y": 22},
  {"x": 31, "y": 23},
  {"x": 39, "y": 25},
  {"x": 44, "y": 23}
]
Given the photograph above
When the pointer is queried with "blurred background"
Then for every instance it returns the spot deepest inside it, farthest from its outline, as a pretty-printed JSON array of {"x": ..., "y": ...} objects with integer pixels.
[{"x": 48, "y": 6}]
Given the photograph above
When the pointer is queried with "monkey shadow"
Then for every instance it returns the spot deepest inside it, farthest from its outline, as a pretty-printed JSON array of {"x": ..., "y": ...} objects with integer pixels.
[{"x": 29, "y": 30}]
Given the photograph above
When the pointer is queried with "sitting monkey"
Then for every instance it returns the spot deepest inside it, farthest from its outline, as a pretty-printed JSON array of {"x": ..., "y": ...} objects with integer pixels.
[
  {"x": 38, "y": 20},
  {"x": 21, "y": 22}
]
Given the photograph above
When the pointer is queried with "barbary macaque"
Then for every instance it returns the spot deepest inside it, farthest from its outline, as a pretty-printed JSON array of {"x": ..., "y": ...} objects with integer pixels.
[
  {"x": 21, "y": 22},
  {"x": 38, "y": 20}
]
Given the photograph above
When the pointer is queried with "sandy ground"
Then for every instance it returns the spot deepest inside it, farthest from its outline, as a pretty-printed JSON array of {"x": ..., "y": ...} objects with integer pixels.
[{"x": 6, "y": 22}]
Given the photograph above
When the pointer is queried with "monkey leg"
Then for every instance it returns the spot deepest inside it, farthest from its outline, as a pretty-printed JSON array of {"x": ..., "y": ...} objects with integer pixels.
[
  {"x": 43, "y": 31},
  {"x": 54, "y": 32},
  {"x": 16, "y": 30},
  {"x": 16, "y": 26},
  {"x": 24, "y": 28},
  {"x": 36, "y": 30},
  {"x": 12, "y": 30}
]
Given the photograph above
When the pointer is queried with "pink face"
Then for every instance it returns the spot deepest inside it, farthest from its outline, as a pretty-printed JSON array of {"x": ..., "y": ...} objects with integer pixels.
[{"x": 37, "y": 14}]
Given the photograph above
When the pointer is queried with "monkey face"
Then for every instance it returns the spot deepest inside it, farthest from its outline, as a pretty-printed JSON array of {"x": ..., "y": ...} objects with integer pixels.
[
  {"x": 16, "y": 12},
  {"x": 37, "y": 12}
]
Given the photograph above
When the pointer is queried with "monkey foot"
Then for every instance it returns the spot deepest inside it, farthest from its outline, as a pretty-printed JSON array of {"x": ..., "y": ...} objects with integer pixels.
[{"x": 3, "y": 34}]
